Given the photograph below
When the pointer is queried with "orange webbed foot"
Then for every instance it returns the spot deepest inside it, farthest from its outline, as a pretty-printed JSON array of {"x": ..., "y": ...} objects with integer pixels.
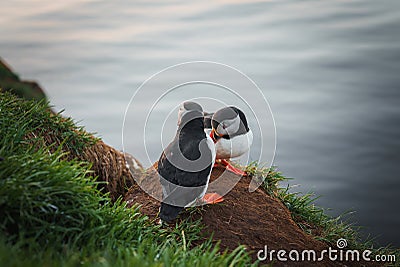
[
  {"x": 230, "y": 168},
  {"x": 212, "y": 198}
]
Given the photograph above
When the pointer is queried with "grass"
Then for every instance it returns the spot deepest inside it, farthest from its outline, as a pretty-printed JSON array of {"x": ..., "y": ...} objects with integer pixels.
[{"x": 52, "y": 214}]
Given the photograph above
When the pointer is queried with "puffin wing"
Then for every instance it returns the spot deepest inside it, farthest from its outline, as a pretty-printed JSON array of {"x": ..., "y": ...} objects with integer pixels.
[
  {"x": 199, "y": 179},
  {"x": 167, "y": 174}
]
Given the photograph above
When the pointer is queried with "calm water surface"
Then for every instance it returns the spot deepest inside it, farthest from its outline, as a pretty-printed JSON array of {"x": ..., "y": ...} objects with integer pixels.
[{"x": 330, "y": 70}]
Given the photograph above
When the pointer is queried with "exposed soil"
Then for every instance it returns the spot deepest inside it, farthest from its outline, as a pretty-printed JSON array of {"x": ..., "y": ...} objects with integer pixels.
[{"x": 250, "y": 219}]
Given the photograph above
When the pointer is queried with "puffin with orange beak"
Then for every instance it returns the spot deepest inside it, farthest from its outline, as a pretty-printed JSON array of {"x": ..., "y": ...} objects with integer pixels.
[{"x": 231, "y": 134}]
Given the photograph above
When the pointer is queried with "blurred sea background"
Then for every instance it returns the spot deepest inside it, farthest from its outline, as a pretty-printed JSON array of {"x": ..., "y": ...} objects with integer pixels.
[{"x": 329, "y": 69}]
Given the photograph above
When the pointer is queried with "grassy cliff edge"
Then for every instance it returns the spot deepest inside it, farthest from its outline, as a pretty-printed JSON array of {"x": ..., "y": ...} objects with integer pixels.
[
  {"x": 53, "y": 212},
  {"x": 63, "y": 195}
]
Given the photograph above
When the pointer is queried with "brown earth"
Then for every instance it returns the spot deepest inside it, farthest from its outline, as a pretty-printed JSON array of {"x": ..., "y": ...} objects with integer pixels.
[{"x": 250, "y": 219}]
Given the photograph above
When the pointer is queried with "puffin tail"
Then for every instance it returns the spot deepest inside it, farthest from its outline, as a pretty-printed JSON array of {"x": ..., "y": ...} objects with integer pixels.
[{"x": 169, "y": 212}]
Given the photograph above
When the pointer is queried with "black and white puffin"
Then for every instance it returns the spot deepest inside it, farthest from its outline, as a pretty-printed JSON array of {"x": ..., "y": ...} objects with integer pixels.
[
  {"x": 185, "y": 165},
  {"x": 231, "y": 134}
]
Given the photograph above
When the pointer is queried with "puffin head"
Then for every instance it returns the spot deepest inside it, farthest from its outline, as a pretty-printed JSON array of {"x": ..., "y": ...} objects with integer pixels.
[
  {"x": 229, "y": 121},
  {"x": 188, "y": 107}
]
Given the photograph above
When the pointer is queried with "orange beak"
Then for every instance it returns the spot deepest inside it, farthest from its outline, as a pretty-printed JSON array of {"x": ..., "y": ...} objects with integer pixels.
[{"x": 213, "y": 134}]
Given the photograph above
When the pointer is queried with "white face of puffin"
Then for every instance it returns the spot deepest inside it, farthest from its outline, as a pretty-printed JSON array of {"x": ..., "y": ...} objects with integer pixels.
[{"x": 228, "y": 127}]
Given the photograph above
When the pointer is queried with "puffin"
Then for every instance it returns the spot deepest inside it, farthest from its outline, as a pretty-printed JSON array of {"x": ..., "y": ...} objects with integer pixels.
[
  {"x": 231, "y": 134},
  {"x": 185, "y": 165}
]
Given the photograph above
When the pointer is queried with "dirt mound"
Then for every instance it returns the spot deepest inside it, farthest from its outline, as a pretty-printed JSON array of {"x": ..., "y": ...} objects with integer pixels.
[{"x": 250, "y": 219}]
